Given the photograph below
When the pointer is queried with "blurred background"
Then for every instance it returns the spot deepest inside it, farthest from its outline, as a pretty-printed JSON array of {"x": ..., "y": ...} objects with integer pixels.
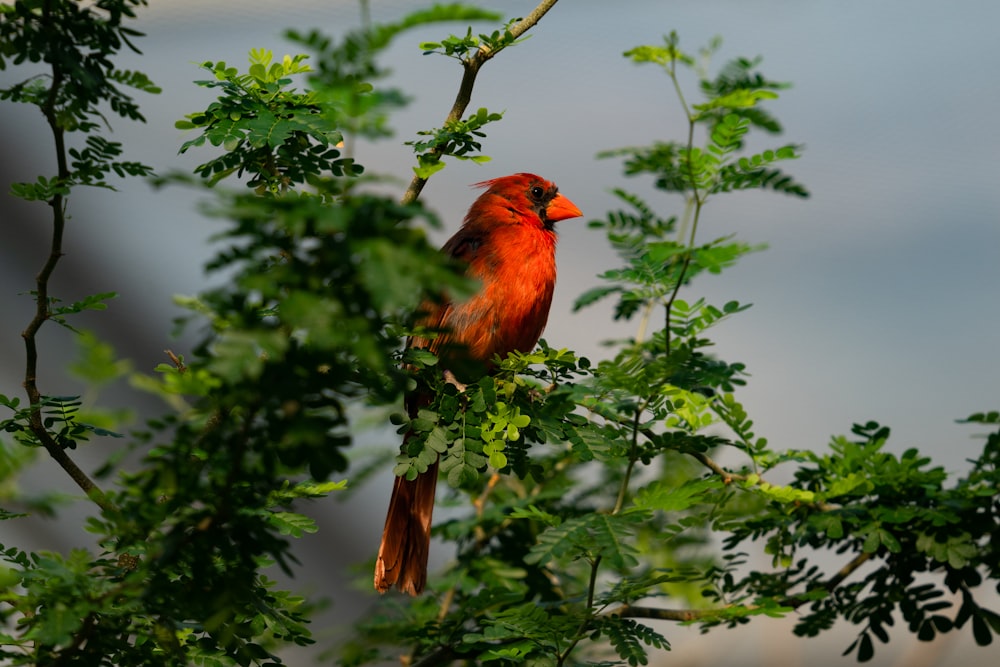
[{"x": 876, "y": 300}]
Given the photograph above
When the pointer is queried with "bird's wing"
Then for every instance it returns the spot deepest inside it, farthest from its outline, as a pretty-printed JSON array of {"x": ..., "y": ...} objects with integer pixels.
[
  {"x": 464, "y": 246},
  {"x": 435, "y": 313}
]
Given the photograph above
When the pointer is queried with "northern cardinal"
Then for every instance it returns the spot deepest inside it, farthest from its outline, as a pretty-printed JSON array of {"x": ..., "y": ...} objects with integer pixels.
[{"x": 508, "y": 242}]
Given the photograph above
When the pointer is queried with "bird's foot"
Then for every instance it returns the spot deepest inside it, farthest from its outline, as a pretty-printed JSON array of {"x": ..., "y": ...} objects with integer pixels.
[{"x": 450, "y": 378}]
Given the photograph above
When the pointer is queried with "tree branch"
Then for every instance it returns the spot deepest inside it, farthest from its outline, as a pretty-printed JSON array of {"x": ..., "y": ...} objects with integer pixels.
[
  {"x": 687, "y": 615},
  {"x": 471, "y": 68},
  {"x": 442, "y": 655},
  {"x": 42, "y": 313},
  {"x": 728, "y": 477},
  {"x": 842, "y": 574},
  {"x": 681, "y": 615}
]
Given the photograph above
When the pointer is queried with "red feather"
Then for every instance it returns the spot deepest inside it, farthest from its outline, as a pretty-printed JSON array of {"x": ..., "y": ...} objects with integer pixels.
[{"x": 508, "y": 242}]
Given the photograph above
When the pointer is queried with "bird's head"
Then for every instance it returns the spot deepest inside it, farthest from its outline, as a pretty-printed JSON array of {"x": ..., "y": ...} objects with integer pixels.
[{"x": 529, "y": 197}]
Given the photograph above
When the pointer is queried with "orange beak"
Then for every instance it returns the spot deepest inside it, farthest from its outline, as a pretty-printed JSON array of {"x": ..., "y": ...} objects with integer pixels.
[{"x": 561, "y": 208}]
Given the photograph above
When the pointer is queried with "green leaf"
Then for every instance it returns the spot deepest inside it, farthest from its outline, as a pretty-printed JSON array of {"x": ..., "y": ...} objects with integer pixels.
[
  {"x": 981, "y": 630},
  {"x": 438, "y": 13},
  {"x": 991, "y": 417},
  {"x": 661, "y": 55},
  {"x": 267, "y": 130},
  {"x": 290, "y": 523},
  {"x": 428, "y": 165},
  {"x": 43, "y": 189},
  {"x": 592, "y": 535},
  {"x": 627, "y": 637},
  {"x": 534, "y": 513},
  {"x": 58, "y": 626},
  {"x": 866, "y": 649},
  {"x": 666, "y": 497},
  {"x": 737, "y": 99},
  {"x": 225, "y": 132},
  {"x": 594, "y": 295}
]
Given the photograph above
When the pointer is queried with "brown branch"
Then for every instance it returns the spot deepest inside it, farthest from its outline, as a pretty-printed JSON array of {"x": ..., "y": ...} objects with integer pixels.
[
  {"x": 442, "y": 655},
  {"x": 42, "y": 312},
  {"x": 707, "y": 461},
  {"x": 844, "y": 572},
  {"x": 687, "y": 615},
  {"x": 680, "y": 615},
  {"x": 727, "y": 476},
  {"x": 70, "y": 654},
  {"x": 471, "y": 67},
  {"x": 445, "y": 654}
]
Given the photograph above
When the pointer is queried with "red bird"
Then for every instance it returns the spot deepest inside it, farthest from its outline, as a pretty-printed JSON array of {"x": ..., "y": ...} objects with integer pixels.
[{"x": 508, "y": 241}]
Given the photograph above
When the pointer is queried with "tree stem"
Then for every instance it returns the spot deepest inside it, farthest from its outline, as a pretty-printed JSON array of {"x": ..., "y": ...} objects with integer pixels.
[
  {"x": 687, "y": 615},
  {"x": 42, "y": 312},
  {"x": 471, "y": 68}
]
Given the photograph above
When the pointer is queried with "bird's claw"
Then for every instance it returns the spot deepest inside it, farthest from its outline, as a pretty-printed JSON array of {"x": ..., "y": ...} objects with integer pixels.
[{"x": 450, "y": 378}]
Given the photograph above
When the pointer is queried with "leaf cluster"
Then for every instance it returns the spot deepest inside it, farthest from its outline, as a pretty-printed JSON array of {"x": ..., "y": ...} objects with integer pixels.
[
  {"x": 732, "y": 107},
  {"x": 306, "y": 326},
  {"x": 347, "y": 72},
  {"x": 619, "y": 494},
  {"x": 895, "y": 511},
  {"x": 465, "y": 46},
  {"x": 279, "y": 137},
  {"x": 75, "y": 43},
  {"x": 457, "y": 139}
]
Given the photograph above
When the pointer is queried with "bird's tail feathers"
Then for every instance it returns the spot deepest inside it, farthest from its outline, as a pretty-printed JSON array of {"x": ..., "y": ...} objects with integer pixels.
[{"x": 406, "y": 538}]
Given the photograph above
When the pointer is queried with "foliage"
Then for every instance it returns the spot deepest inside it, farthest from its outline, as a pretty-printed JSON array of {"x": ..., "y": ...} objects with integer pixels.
[
  {"x": 457, "y": 139},
  {"x": 308, "y": 323},
  {"x": 280, "y": 137},
  {"x": 591, "y": 490}
]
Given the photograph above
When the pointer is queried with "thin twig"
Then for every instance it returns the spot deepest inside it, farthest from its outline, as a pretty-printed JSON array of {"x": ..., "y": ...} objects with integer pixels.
[
  {"x": 696, "y": 199},
  {"x": 727, "y": 476},
  {"x": 846, "y": 571},
  {"x": 687, "y": 615},
  {"x": 639, "y": 611},
  {"x": 471, "y": 68},
  {"x": 632, "y": 458},
  {"x": 442, "y": 655},
  {"x": 42, "y": 311},
  {"x": 681, "y": 615},
  {"x": 581, "y": 632}
]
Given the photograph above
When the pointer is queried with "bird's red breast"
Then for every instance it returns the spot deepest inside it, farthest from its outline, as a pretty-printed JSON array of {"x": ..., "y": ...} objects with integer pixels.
[{"x": 508, "y": 242}]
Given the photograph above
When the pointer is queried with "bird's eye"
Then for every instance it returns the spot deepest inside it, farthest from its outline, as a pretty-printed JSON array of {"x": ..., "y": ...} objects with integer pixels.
[{"x": 537, "y": 192}]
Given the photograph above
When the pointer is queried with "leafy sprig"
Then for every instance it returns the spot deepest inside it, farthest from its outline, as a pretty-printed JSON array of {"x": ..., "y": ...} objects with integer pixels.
[
  {"x": 279, "y": 137},
  {"x": 458, "y": 139},
  {"x": 616, "y": 488}
]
